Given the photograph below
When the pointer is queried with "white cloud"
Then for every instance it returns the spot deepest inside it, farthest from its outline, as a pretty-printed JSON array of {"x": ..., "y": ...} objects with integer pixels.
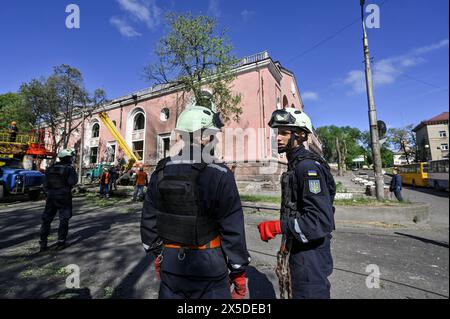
[
  {"x": 387, "y": 71},
  {"x": 140, "y": 11},
  {"x": 124, "y": 29},
  {"x": 213, "y": 8},
  {"x": 310, "y": 96},
  {"x": 432, "y": 47},
  {"x": 145, "y": 11},
  {"x": 246, "y": 14}
]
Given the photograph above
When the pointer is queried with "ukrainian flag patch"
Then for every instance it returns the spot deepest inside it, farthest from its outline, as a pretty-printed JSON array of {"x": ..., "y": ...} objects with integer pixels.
[{"x": 312, "y": 173}]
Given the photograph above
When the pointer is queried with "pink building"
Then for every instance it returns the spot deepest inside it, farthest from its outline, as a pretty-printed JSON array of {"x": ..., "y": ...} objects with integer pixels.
[{"x": 147, "y": 118}]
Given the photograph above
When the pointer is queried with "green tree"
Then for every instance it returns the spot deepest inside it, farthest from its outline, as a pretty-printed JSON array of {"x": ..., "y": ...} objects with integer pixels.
[
  {"x": 387, "y": 155},
  {"x": 57, "y": 102},
  {"x": 196, "y": 57},
  {"x": 340, "y": 144},
  {"x": 404, "y": 140},
  {"x": 12, "y": 108}
]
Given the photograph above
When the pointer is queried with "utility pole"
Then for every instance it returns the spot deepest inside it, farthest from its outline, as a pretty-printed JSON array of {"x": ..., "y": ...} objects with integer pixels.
[{"x": 379, "y": 180}]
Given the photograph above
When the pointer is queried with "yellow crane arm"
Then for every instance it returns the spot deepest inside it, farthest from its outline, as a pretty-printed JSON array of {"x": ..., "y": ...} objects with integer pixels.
[{"x": 132, "y": 157}]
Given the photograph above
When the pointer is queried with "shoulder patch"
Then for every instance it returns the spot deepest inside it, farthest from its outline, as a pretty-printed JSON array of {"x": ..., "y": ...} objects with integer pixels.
[
  {"x": 312, "y": 173},
  {"x": 314, "y": 186}
]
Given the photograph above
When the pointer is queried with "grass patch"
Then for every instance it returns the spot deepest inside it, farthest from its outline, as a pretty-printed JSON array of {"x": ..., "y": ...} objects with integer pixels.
[
  {"x": 340, "y": 188},
  {"x": 47, "y": 271},
  {"x": 369, "y": 202},
  {"x": 94, "y": 199},
  {"x": 261, "y": 198},
  {"x": 339, "y": 202},
  {"x": 108, "y": 292}
]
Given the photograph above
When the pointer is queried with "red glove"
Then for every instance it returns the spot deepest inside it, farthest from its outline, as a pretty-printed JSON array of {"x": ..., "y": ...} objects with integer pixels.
[
  {"x": 269, "y": 229},
  {"x": 157, "y": 265},
  {"x": 240, "y": 285}
]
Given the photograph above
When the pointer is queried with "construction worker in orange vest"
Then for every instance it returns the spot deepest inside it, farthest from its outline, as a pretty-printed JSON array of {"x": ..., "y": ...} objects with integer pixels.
[
  {"x": 141, "y": 181},
  {"x": 104, "y": 183}
]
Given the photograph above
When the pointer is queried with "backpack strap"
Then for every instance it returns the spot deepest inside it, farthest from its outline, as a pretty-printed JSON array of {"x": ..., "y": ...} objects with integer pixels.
[
  {"x": 160, "y": 168},
  {"x": 310, "y": 156}
]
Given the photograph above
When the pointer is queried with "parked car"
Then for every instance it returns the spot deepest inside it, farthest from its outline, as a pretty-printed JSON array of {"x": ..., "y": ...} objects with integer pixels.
[{"x": 15, "y": 180}]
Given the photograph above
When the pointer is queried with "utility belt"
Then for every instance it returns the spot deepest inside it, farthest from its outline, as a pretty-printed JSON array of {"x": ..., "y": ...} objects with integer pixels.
[{"x": 215, "y": 243}]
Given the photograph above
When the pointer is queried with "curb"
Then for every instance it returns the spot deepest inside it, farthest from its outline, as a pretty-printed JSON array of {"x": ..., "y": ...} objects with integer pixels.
[{"x": 417, "y": 214}]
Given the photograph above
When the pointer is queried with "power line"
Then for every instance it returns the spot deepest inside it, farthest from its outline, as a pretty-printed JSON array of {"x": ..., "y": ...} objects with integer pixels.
[
  {"x": 421, "y": 81},
  {"x": 323, "y": 41},
  {"x": 330, "y": 37}
]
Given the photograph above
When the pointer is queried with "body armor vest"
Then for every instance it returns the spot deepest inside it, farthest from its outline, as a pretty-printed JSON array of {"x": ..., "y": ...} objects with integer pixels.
[
  {"x": 57, "y": 176},
  {"x": 289, "y": 185},
  {"x": 181, "y": 217}
]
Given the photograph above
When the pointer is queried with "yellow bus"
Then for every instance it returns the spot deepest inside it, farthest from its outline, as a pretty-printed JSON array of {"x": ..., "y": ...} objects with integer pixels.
[{"x": 414, "y": 174}]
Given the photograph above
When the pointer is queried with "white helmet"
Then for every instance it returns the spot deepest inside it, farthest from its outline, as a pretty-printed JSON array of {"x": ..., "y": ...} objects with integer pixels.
[{"x": 291, "y": 117}]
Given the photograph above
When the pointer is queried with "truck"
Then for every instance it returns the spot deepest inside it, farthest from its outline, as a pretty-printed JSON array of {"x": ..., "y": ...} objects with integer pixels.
[
  {"x": 95, "y": 173},
  {"x": 15, "y": 180}
]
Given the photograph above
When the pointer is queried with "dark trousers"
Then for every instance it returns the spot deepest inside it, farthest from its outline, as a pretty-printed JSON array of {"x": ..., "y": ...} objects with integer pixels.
[
  {"x": 311, "y": 264},
  {"x": 179, "y": 287},
  {"x": 104, "y": 190},
  {"x": 54, "y": 204},
  {"x": 398, "y": 195}
]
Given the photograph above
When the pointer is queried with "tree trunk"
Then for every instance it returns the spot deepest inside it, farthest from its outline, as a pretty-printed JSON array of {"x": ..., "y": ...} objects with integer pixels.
[
  {"x": 344, "y": 157},
  {"x": 338, "y": 150}
]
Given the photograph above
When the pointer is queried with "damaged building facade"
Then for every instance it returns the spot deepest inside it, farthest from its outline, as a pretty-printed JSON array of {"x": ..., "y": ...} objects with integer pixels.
[{"x": 146, "y": 120}]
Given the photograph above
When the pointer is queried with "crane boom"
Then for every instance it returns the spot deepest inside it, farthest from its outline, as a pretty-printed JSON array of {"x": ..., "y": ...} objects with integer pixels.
[{"x": 132, "y": 157}]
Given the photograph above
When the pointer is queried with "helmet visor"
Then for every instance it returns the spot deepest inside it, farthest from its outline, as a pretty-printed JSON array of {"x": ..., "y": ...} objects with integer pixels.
[{"x": 281, "y": 117}]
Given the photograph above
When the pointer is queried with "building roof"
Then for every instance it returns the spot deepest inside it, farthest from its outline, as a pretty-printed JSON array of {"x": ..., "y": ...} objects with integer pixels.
[{"x": 438, "y": 119}]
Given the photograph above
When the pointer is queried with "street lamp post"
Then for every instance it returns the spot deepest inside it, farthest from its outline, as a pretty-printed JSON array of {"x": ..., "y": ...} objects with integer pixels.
[{"x": 379, "y": 180}]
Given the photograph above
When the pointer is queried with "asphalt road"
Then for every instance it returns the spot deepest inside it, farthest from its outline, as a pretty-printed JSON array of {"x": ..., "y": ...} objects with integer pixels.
[
  {"x": 438, "y": 201},
  {"x": 105, "y": 245}
]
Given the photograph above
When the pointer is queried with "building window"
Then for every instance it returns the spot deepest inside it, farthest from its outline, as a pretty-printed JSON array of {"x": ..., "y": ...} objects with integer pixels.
[
  {"x": 93, "y": 155},
  {"x": 115, "y": 123},
  {"x": 138, "y": 148},
  {"x": 164, "y": 116},
  {"x": 442, "y": 134},
  {"x": 166, "y": 146},
  {"x": 95, "y": 130},
  {"x": 111, "y": 153},
  {"x": 285, "y": 102},
  {"x": 444, "y": 147},
  {"x": 139, "y": 122}
]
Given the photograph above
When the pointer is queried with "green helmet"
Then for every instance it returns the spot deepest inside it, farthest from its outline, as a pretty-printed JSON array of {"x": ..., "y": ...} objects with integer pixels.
[
  {"x": 291, "y": 117},
  {"x": 198, "y": 117},
  {"x": 66, "y": 153}
]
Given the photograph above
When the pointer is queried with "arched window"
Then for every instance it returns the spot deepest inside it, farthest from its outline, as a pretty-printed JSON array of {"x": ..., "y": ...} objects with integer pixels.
[
  {"x": 293, "y": 106},
  {"x": 95, "y": 130},
  {"x": 139, "y": 122},
  {"x": 115, "y": 123}
]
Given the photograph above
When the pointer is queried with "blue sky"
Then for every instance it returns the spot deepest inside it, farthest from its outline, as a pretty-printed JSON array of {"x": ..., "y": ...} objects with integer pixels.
[{"x": 116, "y": 40}]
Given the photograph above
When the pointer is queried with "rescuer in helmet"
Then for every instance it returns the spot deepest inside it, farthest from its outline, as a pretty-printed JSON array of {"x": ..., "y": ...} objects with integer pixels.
[
  {"x": 58, "y": 183},
  {"x": 13, "y": 131},
  {"x": 192, "y": 220},
  {"x": 307, "y": 212}
]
